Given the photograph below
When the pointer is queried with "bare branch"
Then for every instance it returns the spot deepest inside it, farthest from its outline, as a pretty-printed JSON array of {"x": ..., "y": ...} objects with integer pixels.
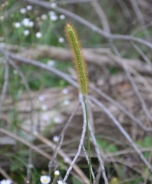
[
  {"x": 122, "y": 130},
  {"x": 81, "y": 139}
]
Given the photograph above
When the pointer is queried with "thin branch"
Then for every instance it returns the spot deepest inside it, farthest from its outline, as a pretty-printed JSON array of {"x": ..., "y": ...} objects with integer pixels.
[
  {"x": 99, "y": 152},
  {"x": 56, "y": 151},
  {"x": 122, "y": 130},
  {"x": 81, "y": 139},
  {"x": 35, "y": 148},
  {"x": 87, "y": 158},
  {"x": 137, "y": 12},
  {"x": 90, "y": 25},
  {"x": 122, "y": 108},
  {"x": 125, "y": 9},
  {"x": 135, "y": 88},
  {"x": 101, "y": 15},
  {"x": 74, "y": 83},
  {"x": 98, "y": 176},
  {"x": 142, "y": 54},
  {"x": 3, "y": 173},
  {"x": 61, "y": 153}
]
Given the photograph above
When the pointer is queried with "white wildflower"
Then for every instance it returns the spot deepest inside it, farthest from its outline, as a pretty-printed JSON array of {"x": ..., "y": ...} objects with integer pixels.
[
  {"x": 66, "y": 160},
  {"x": 31, "y": 24},
  {"x": 23, "y": 10},
  {"x": 53, "y": 17},
  {"x": 15, "y": 72},
  {"x": 56, "y": 138},
  {"x": 51, "y": 13},
  {"x": 25, "y": 22},
  {"x": 61, "y": 40},
  {"x": 44, "y": 107},
  {"x": 17, "y": 24},
  {"x": 53, "y": 5},
  {"x": 44, "y": 17},
  {"x": 62, "y": 17},
  {"x": 1, "y": 17},
  {"x": 29, "y": 7},
  {"x": 66, "y": 102},
  {"x": 56, "y": 173},
  {"x": 41, "y": 98},
  {"x": 45, "y": 118},
  {"x": 65, "y": 91},
  {"x": 58, "y": 120},
  {"x": 26, "y": 32},
  {"x": 38, "y": 34},
  {"x": 45, "y": 179},
  {"x": 51, "y": 62},
  {"x": 7, "y": 181}
]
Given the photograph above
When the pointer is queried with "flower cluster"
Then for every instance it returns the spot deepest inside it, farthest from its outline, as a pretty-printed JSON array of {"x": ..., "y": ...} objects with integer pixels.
[
  {"x": 6, "y": 181},
  {"x": 26, "y": 24},
  {"x": 46, "y": 179}
]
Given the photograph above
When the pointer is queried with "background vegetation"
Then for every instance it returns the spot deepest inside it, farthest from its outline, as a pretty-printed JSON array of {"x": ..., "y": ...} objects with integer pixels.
[{"x": 117, "y": 39}]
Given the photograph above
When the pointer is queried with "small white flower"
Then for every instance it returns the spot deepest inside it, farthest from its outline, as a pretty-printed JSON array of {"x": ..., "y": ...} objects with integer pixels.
[
  {"x": 45, "y": 118},
  {"x": 44, "y": 17},
  {"x": 65, "y": 91},
  {"x": 23, "y": 10},
  {"x": 31, "y": 24},
  {"x": 62, "y": 17},
  {"x": 66, "y": 102},
  {"x": 29, "y": 7},
  {"x": 38, "y": 35},
  {"x": 53, "y": 5},
  {"x": 45, "y": 179},
  {"x": 56, "y": 138},
  {"x": 56, "y": 173},
  {"x": 44, "y": 107},
  {"x": 41, "y": 98},
  {"x": 51, "y": 13},
  {"x": 51, "y": 62},
  {"x": 17, "y": 24},
  {"x": 25, "y": 22},
  {"x": 61, "y": 40},
  {"x": 1, "y": 17},
  {"x": 53, "y": 17},
  {"x": 26, "y": 32},
  {"x": 15, "y": 72},
  {"x": 61, "y": 182},
  {"x": 7, "y": 181},
  {"x": 58, "y": 120},
  {"x": 66, "y": 160}
]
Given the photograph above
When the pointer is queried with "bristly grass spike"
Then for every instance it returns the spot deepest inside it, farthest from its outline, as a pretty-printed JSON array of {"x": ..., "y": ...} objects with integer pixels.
[{"x": 78, "y": 58}]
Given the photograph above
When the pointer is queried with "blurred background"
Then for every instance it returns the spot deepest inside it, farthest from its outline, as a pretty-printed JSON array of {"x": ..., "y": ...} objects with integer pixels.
[{"x": 37, "y": 97}]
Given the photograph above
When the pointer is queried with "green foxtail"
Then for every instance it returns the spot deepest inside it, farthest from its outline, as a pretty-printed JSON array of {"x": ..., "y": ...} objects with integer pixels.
[
  {"x": 81, "y": 70},
  {"x": 78, "y": 58}
]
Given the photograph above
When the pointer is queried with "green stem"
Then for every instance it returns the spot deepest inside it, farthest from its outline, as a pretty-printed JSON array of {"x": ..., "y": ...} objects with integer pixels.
[
  {"x": 54, "y": 180},
  {"x": 88, "y": 137}
]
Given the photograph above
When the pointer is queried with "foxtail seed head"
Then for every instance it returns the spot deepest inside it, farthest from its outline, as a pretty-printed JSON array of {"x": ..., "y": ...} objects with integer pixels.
[{"x": 78, "y": 59}]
